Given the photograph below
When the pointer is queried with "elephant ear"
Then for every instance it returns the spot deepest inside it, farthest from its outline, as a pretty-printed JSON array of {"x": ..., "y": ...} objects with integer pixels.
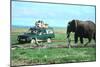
[{"x": 75, "y": 23}]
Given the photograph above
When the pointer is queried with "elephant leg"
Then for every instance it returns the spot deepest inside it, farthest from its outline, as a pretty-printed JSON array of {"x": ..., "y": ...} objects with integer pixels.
[
  {"x": 94, "y": 38},
  {"x": 68, "y": 40},
  {"x": 81, "y": 40},
  {"x": 68, "y": 43},
  {"x": 89, "y": 40},
  {"x": 76, "y": 39}
]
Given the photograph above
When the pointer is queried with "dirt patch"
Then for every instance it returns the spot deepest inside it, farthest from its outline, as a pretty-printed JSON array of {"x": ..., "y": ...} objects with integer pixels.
[{"x": 34, "y": 46}]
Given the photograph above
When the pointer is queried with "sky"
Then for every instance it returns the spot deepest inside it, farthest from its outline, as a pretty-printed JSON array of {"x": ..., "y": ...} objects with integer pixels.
[{"x": 56, "y": 15}]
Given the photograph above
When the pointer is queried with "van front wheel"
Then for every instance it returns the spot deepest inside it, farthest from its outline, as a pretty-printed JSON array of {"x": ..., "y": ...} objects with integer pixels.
[{"x": 32, "y": 41}]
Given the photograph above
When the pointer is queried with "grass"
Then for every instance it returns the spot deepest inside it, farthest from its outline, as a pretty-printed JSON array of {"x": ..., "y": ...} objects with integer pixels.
[
  {"x": 33, "y": 56},
  {"x": 52, "y": 55}
]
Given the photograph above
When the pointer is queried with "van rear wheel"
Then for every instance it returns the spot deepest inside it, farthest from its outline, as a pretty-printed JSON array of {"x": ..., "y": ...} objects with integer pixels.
[{"x": 49, "y": 40}]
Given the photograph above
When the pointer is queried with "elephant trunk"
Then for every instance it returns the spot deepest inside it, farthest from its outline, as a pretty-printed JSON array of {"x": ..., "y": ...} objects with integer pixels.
[{"x": 68, "y": 39}]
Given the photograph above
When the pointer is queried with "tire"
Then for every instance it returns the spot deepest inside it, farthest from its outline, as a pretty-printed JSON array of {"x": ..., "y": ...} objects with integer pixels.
[
  {"x": 19, "y": 42},
  {"x": 49, "y": 40},
  {"x": 36, "y": 41},
  {"x": 32, "y": 41}
]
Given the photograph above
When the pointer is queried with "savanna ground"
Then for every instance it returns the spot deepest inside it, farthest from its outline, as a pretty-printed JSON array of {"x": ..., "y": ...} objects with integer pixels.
[{"x": 49, "y": 53}]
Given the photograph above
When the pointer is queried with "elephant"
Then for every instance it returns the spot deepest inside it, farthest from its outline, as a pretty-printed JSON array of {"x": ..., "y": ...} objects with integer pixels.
[{"x": 81, "y": 29}]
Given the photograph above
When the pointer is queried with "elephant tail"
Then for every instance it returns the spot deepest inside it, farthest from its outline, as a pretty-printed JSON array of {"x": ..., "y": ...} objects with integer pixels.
[{"x": 94, "y": 36}]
